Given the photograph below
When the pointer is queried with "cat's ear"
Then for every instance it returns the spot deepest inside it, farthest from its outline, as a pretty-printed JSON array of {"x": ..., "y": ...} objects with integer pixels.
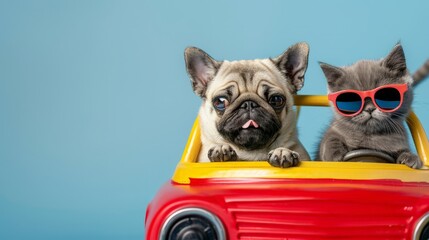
[
  {"x": 293, "y": 64},
  {"x": 395, "y": 61},
  {"x": 332, "y": 73},
  {"x": 201, "y": 69}
]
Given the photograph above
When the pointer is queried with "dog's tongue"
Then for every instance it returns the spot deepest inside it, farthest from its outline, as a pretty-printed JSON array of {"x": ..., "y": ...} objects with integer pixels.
[{"x": 250, "y": 123}]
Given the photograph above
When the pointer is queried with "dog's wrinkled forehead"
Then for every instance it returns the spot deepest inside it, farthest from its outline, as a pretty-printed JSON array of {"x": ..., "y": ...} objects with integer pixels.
[{"x": 247, "y": 76}]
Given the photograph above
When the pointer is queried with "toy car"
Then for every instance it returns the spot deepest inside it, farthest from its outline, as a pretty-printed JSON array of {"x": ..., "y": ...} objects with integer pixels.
[{"x": 316, "y": 200}]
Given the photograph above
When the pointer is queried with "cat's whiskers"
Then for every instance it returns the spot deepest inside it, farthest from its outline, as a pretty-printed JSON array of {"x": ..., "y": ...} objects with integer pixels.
[{"x": 395, "y": 126}]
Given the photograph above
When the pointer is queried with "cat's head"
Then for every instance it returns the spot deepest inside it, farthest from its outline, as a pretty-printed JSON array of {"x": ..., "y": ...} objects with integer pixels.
[{"x": 367, "y": 75}]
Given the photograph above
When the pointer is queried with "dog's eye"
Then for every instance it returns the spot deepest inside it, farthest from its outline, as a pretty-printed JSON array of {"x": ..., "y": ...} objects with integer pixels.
[
  {"x": 276, "y": 101},
  {"x": 220, "y": 103}
]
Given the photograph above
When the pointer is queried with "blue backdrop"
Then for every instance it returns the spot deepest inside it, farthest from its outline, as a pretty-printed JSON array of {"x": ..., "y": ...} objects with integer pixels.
[{"x": 96, "y": 105}]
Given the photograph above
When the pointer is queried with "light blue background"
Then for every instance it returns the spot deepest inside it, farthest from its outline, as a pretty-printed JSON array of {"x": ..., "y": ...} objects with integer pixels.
[{"x": 96, "y": 105}]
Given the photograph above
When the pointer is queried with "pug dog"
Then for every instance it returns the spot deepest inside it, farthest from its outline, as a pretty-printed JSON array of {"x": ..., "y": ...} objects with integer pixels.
[{"x": 247, "y": 106}]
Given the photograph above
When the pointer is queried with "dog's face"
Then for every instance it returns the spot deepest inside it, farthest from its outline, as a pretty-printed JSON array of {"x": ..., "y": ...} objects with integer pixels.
[{"x": 248, "y": 102}]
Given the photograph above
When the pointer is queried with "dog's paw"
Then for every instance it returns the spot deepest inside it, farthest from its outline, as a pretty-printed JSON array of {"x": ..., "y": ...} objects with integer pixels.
[
  {"x": 283, "y": 157},
  {"x": 221, "y": 153},
  {"x": 410, "y": 160}
]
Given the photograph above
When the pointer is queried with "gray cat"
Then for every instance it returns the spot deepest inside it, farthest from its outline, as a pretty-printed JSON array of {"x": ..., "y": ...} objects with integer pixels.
[{"x": 371, "y": 100}]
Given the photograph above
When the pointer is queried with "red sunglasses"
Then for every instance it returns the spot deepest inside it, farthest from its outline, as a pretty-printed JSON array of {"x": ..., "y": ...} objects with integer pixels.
[{"x": 386, "y": 98}]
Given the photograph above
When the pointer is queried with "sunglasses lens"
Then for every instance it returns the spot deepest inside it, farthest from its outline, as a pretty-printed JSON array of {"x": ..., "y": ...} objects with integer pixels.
[
  {"x": 387, "y": 98},
  {"x": 349, "y": 103}
]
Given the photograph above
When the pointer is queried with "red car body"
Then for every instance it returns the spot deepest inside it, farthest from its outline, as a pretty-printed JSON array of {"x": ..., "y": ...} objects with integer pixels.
[
  {"x": 316, "y": 200},
  {"x": 299, "y": 208}
]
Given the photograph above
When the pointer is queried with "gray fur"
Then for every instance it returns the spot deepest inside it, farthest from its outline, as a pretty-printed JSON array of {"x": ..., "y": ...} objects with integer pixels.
[
  {"x": 421, "y": 73},
  {"x": 371, "y": 129}
]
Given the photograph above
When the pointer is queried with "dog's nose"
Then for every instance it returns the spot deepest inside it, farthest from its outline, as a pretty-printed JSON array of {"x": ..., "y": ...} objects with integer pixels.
[{"x": 249, "y": 105}]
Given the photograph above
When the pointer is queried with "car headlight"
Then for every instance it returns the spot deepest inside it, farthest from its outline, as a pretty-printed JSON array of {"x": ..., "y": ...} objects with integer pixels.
[
  {"x": 192, "y": 223},
  {"x": 421, "y": 232}
]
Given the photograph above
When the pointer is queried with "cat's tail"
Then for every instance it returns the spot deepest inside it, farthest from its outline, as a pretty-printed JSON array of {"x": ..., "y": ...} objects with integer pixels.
[{"x": 421, "y": 73}]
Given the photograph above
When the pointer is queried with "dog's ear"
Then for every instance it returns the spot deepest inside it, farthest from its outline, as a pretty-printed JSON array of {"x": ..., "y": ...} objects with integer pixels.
[
  {"x": 332, "y": 73},
  {"x": 201, "y": 69},
  {"x": 395, "y": 61},
  {"x": 293, "y": 64}
]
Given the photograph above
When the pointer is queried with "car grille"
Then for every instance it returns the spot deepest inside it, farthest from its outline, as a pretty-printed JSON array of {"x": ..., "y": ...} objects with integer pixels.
[{"x": 313, "y": 214}]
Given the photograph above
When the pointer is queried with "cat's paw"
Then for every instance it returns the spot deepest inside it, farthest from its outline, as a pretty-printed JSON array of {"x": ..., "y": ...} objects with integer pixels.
[
  {"x": 221, "y": 153},
  {"x": 283, "y": 157},
  {"x": 410, "y": 160},
  {"x": 338, "y": 157}
]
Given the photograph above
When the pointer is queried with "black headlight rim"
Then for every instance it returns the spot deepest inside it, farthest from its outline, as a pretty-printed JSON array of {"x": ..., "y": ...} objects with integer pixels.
[
  {"x": 422, "y": 227},
  {"x": 192, "y": 212}
]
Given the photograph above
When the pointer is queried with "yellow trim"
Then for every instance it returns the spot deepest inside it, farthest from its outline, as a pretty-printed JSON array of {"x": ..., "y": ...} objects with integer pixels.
[
  {"x": 419, "y": 136},
  {"x": 192, "y": 148},
  {"x": 306, "y": 170},
  {"x": 188, "y": 167},
  {"x": 311, "y": 100}
]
